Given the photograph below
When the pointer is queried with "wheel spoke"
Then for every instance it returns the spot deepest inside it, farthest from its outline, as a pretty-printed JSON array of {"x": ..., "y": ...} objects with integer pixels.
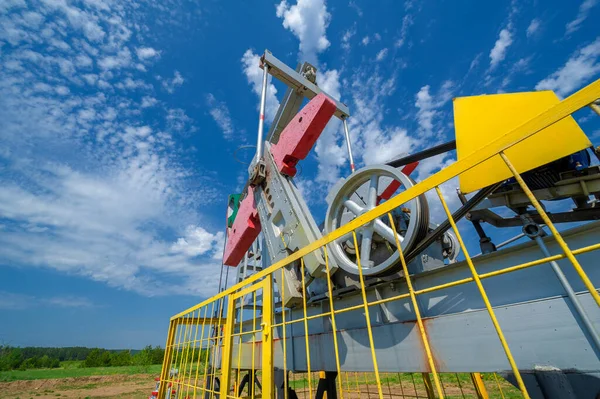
[
  {"x": 365, "y": 246},
  {"x": 386, "y": 232},
  {"x": 353, "y": 207},
  {"x": 372, "y": 196}
]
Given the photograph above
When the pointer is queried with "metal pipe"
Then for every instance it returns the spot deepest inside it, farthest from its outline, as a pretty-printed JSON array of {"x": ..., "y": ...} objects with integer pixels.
[
  {"x": 515, "y": 238},
  {"x": 427, "y": 153},
  {"x": 261, "y": 119},
  {"x": 570, "y": 293},
  {"x": 596, "y": 107},
  {"x": 348, "y": 144}
]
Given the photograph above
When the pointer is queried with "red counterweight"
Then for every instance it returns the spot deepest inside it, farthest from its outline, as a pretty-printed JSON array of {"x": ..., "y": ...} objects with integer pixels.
[
  {"x": 243, "y": 232},
  {"x": 295, "y": 142},
  {"x": 301, "y": 133}
]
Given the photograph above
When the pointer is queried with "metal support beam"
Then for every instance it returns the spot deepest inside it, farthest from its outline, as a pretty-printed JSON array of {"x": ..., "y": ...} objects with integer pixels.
[{"x": 298, "y": 82}]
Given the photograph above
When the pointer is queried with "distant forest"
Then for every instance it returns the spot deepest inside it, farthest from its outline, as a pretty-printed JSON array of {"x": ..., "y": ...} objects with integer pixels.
[{"x": 15, "y": 358}]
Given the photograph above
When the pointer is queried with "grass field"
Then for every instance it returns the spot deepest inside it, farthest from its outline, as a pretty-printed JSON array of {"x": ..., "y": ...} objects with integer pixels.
[{"x": 72, "y": 369}]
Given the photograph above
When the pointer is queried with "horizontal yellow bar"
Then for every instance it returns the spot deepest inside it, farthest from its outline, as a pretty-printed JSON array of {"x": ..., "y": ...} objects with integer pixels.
[{"x": 199, "y": 320}]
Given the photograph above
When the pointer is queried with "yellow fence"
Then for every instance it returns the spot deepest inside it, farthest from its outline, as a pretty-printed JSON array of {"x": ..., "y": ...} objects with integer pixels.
[{"x": 234, "y": 344}]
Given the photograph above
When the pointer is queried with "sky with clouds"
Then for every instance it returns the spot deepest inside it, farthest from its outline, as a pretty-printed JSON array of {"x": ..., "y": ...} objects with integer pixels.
[{"x": 122, "y": 126}]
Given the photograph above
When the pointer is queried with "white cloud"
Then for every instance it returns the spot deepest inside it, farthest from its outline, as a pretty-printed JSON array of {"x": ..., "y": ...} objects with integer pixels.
[
  {"x": 220, "y": 113},
  {"x": 428, "y": 107},
  {"x": 381, "y": 54},
  {"x": 148, "y": 102},
  {"x": 13, "y": 301},
  {"x": 251, "y": 68},
  {"x": 308, "y": 21},
  {"x": 533, "y": 27},
  {"x": 197, "y": 241},
  {"x": 171, "y": 84},
  {"x": 121, "y": 60},
  {"x": 346, "y": 38},
  {"x": 365, "y": 40},
  {"x": 582, "y": 14},
  {"x": 145, "y": 53},
  {"x": 69, "y": 302},
  {"x": 498, "y": 52},
  {"x": 407, "y": 22},
  {"x": 93, "y": 186},
  {"x": 579, "y": 69}
]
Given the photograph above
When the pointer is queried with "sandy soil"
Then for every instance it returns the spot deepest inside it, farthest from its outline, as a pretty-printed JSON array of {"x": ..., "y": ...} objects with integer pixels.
[{"x": 112, "y": 386}]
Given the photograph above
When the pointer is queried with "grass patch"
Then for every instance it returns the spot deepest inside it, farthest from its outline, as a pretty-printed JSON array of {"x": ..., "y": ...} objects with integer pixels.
[
  {"x": 70, "y": 364},
  {"x": 66, "y": 372}
]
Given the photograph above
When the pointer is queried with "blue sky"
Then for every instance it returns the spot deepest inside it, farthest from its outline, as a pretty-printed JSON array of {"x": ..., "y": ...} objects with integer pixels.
[{"x": 119, "y": 121}]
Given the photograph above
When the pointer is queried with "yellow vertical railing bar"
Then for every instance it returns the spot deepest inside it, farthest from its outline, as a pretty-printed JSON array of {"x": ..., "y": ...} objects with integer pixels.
[
  {"x": 208, "y": 338},
  {"x": 561, "y": 242},
  {"x": 499, "y": 387},
  {"x": 166, "y": 366},
  {"x": 479, "y": 386},
  {"x": 415, "y": 304},
  {"x": 443, "y": 385},
  {"x": 347, "y": 383},
  {"x": 310, "y": 395},
  {"x": 220, "y": 335},
  {"x": 267, "y": 323},
  {"x": 284, "y": 342},
  {"x": 185, "y": 371},
  {"x": 227, "y": 344},
  {"x": 253, "y": 374},
  {"x": 189, "y": 369},
  {"x": 200, "y": 350},
  {"x": 239, "y": 347},
  {"x": 367, "y": 316},
  {"x": 333, "y": 325},
  {"x": 367, "y": 386},
  {"x": 484, "y": 296},
  {"x": 181, "y": 364},
  {"x": 175, "y": 364},
  {"x": 357, "y": 383}
]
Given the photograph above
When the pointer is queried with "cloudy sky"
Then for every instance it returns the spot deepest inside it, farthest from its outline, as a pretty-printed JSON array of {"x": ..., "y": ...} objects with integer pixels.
[{"x": 121, "y": 121}]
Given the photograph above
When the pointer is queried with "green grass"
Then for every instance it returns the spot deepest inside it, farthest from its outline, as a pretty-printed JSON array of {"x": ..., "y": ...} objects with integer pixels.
[{"x": 71, "y": 371}]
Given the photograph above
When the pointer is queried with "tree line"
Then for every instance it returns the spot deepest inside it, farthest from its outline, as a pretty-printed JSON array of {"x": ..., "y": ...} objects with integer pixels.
[{"x": 15, "y": 358}]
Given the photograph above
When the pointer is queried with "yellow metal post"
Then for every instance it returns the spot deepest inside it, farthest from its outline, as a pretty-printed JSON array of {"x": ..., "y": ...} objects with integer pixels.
[
  {"x": 267, "y": 344},
  {"x": 227, "y": 343},
  {"x": 479, "y": 386},
  {"x": 164, "y": 373}
]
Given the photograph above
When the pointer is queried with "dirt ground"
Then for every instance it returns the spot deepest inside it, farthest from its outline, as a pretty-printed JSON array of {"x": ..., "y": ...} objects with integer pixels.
[{"x": 111, "y": 386}]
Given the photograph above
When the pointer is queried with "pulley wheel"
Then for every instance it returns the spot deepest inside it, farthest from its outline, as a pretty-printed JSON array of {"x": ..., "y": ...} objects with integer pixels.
[{"x": 360, "y": 192}]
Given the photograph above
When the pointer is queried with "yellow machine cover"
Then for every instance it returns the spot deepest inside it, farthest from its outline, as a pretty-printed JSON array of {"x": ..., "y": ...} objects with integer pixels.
[{"x": 480, "y": 120}]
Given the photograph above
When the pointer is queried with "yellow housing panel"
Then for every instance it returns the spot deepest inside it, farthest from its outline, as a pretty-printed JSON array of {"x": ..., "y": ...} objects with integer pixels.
[{"x": 480, "y": 120}]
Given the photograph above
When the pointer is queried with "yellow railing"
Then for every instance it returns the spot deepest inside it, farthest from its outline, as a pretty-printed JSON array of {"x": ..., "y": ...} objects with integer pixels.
[{"x": 206, "y": 342}]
